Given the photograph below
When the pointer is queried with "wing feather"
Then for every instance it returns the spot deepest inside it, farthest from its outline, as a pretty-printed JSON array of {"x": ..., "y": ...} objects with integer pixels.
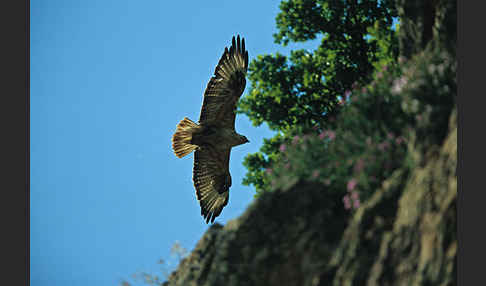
[
  {"x": 225, "y": 86},
  {"x": 212, "y": 180}
]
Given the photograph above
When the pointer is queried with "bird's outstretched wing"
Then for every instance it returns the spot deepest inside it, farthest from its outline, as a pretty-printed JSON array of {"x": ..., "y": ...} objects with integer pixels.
[
  {"x": 212, "y": 180},
  {"x": 225, "y": 86}
]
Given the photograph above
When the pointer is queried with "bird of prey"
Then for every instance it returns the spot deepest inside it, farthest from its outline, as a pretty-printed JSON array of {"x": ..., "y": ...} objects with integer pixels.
[{"x": 214, "y": 135}]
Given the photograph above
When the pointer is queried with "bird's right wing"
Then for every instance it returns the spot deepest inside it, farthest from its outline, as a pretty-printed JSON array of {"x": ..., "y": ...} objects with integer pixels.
[{"x": 212, "y": 180}]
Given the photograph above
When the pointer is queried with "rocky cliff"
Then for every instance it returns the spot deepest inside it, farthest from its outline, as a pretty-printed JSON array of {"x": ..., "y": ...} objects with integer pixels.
[{"x": 404, "y": 235}]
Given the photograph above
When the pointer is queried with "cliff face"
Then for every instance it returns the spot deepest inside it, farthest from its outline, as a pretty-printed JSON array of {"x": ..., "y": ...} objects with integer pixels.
[{"x": 404, "y": 235}]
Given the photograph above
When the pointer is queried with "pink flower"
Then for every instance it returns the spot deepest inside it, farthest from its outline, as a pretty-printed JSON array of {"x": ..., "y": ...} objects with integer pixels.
[
  {"x": 399, "y": 140},
  {"x": 379, "y": 75},
  {"x": 383, "y": 146},
  {"x": 347, "y": 202},
  {"x": 327, "y": 133},
  {"x": 351, "y": 184},
  {"x": 355, "y": 196},
  {"x": 315, "y": 174},
  {"x": 282, "y": 148},
  {"x": 268, "y": 171},
  {"x": 390, "y": 136},
  {"x": 295, "y": 140},
  {"x": 358, "y": 167},
  {"x": 385, "y": 68},
  {"x": 331, "y": 135},
  {"x": 356, "y": 204}
]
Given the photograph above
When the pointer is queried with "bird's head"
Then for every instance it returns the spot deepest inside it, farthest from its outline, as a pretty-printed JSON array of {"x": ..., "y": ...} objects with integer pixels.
[{"x": 243, "y": 139}]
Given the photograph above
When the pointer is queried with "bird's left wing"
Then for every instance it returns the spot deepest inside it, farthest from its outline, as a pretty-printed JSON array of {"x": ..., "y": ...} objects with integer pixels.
[
  {"x": 225, "y": 87},
  {"x": 212, "y": 180}
]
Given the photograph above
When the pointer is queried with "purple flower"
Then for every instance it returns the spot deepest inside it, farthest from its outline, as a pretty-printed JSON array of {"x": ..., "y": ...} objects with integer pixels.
[
  {"x": 383, "y": 146},
  {"x": 327, "y": 133},
  {"x": 282, "y": 148},
  {"x": 356, "y": 204},
  {"x": 331, "y": 134},
  {"x": 358, "y": 167},
  {"x": 351, "y": 184},
  {"x": 347, "y": 202},
  {"x": 399, "y": 140},
  {"x": 296, "y": 139},
  {"x": 315, "y": 174}
]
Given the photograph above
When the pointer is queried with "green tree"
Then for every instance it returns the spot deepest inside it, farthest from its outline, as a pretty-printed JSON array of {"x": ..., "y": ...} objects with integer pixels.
[{"x": 296, "y": 93}]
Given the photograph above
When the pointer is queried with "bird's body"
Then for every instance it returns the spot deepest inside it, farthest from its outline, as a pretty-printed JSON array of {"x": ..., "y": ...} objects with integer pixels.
[
  {"x": 218, "y": 138},
  {"x": 215, "y": 135}
]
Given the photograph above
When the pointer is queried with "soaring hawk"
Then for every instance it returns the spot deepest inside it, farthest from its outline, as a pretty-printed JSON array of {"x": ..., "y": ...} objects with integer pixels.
[{"x": 214, "y": 136}]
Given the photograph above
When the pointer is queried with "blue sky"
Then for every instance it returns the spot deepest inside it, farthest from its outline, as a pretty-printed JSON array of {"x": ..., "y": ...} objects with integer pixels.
[{"x": 109, "y": 82}]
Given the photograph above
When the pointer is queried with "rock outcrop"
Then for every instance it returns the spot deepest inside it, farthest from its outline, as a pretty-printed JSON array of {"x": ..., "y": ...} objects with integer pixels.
[{"x": 405, "y": 234}]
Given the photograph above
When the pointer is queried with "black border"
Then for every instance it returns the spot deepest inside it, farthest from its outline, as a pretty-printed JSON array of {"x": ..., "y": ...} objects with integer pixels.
[
  {"x": 27, "y": 135},
  {"x": 15, "y": 137},
  {"x": 471, "y": 156}
]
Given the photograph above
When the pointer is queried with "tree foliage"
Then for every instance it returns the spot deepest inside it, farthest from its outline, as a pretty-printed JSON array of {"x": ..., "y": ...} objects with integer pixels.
[{"x": 300, "y": 92}]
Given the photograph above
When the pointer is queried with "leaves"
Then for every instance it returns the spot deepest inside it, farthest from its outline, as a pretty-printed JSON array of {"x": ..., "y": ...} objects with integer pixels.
[{"x": 303, "y": 90}]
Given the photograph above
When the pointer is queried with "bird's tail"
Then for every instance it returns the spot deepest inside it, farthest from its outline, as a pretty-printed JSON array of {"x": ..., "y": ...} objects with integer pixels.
[{"x": 181, "y": 140}]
